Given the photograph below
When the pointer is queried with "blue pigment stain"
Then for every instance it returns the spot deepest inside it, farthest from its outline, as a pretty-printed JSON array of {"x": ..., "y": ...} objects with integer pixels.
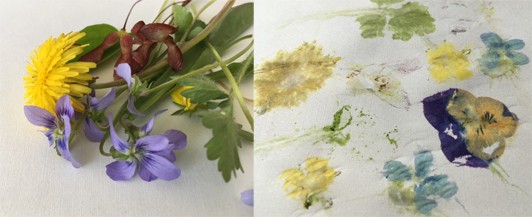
[
  {"x": 422, "y": 163},
  {"x": 396, "y": 171}
]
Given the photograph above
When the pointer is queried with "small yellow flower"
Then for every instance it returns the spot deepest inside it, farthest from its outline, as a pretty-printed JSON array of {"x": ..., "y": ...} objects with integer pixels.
[
  {"x": 446, "y": 62},
  {"x": 307, "y": 187},
  {"x": 181, "y": 100},
  {"x": 51, "y": 75}
]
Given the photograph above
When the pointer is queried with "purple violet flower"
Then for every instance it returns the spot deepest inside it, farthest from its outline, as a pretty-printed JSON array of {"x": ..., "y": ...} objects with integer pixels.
[
  {"x": 247, "y": 197},
  {"x": 58, "y": 126},
  {"x": 124, "y": 70},
  {"x": 92, "y": 132},
  {"x": 152, "y": 155}
]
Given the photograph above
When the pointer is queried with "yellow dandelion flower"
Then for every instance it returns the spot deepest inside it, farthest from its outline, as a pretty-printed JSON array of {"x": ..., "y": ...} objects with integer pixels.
[
  {"x": 307, "y": 187},
  {"x": 286, "y": 80},
  {"x": 51, "y": 75},
  {"x": 446, "y": 62},
  {"x": 181, "y": 100}
]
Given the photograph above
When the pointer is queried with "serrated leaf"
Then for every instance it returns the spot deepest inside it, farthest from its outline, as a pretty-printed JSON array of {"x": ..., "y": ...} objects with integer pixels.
[
  {"x": 239, "y": 19},
  {"x": 95, "y": 35},
  {"x": 225, "y": 141},
  {"x": 412, "y": 18},
  {"x": 203, "y": 90},
  {"x": 182, "y": 19},
  {"x": 386, "y": 2},
  {"x": 372, "y": 25}
]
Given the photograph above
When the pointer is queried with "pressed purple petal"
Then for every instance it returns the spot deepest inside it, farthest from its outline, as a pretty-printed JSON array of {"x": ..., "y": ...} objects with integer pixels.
[
  {"x": 62, "y": 143},
  {"x": 453, "y": 145},
  {"x": 102, "y": 103},
  {"x": 64, "y": 106},
  {"x": 148, "y": 127},
  {"x": 131, "y": 106},
  {"x": 146, "y": 175},
  {"x": 40, "y": 117},
  {"x": 118, "y": 143},
  {"x": 247, "y": 197},
  {"x": 152, "y": 143},
  {"x": 124, "y": 71},
  {"x": 160, "y": 167},
  {"x": 177, "y": 138},
  {"x": 121, "y": 170},
  {"x": 92, "y": 132}
]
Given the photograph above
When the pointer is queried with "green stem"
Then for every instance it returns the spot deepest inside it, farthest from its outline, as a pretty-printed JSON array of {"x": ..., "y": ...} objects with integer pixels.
[
  {"x": 245, "y": 67},
  {"x": 185, "y": 35},
  {"x": 187, "y": 46},
  {"x": 343, "y": 13},
  {"x": 208, "y": 29},
  {"x": 234, "y": 85},
  {"x": 76, "y": 126},
  {"x": 197, "y": 71}
]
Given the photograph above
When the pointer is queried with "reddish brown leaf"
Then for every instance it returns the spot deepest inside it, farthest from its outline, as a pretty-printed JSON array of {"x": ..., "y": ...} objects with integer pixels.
[
  {"x": 157, "y": 32},
  {"x": 175, "y": 57},
  {"x": 97, "y": 54}
]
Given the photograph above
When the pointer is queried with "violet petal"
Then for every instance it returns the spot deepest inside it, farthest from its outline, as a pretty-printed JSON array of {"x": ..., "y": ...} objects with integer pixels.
[
  {"x": 64, "y": 106},
  {"x": 121, "y": 170},
  {"x": 177, "y": 138},
  {"x": 160, "y": 167},
  {"x": 118, "y": 143},
  {"x": 92, "y": 132},
  {"x": 62, "y": 143},
  {"x": 146, "y": 175},
  {"x": 103, "y": 102},
  {"x": 124, "y": 71},
  {"x": 152, "y": 143},
  {"x": 40, "y": 117},
  {"x": 247, "y": 197},
  {"x": 148, "y": 127}
]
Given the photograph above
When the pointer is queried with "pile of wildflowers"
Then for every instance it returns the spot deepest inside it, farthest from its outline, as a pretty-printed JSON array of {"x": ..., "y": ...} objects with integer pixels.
[{"x": 178, "y": 59}]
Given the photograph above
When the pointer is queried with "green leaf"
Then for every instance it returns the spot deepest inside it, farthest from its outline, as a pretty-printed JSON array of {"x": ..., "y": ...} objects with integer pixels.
[
  {"x": 412, "y": 18},
  {"x": 372, "y": 25},
  {"x": 203, "y": 90},
  {"x": 182, "y": 19},
  {"x": 234, "y": 68},
  {"x": 225, "y": 141},
  {"x": 386, "y": 2},
  {"x": 95, "y": 35},
  {"x": 239, "y": 19}
]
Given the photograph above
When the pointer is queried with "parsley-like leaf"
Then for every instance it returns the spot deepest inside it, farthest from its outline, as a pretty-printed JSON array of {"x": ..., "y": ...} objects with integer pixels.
[
  {"x": 203, "y": 90},
  {"x": 225, "y": 141},
  {"x": 412, "y": 18},
  {"x": 372, "y": 25}
]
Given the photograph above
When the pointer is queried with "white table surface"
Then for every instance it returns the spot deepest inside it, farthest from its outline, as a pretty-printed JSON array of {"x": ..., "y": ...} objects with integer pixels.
[{"x": 34, "y": 181}]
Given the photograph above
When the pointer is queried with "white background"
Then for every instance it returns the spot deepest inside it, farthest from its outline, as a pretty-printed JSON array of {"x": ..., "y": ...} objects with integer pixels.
[
  {"x": 34, "y": 181},
  {"x": 359, "y": 190}
]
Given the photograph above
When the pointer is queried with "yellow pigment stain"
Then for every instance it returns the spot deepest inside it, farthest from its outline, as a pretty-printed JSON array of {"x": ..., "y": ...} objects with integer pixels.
[
  {"x": 308, "y": 184},
  {"x": 446, "y": 62},
  {"x": 287, "y": 79}
]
